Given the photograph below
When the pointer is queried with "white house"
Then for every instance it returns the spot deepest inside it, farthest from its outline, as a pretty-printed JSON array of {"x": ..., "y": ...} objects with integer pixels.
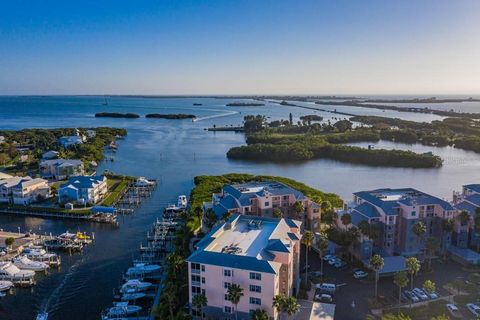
[
  {"x": 83, "y": 189},
  {"x": 59, "y": 169},
  {"x": 23, "y": 190}
]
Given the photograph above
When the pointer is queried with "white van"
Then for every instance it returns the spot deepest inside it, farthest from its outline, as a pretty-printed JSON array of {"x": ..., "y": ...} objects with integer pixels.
[{"x": 327, "y": 287}]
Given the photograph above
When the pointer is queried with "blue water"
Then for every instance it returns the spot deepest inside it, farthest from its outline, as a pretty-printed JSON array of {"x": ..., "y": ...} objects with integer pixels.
[{"x": 173, "y": 152}]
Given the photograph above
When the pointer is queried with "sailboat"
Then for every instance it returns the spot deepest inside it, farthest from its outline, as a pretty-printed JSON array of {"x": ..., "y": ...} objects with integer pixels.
[{"x": 105, "y": 103}]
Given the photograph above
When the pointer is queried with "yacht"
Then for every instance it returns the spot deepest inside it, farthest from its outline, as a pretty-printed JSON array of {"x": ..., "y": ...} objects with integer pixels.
[
  {"x": 8, "y": 271},
  {"x": 143, "y": 182},
  {"x": 133, "y": 296},
  {"x": 42, "y": 316},
  {"x": 135, "y": 285},
  {"x": 179, "y": 207},
  {"x": 182, "y": 201},
  {"x": 41, "y": 255},
  {"x": 22, "y": 262},
  {"x": 6, "y": 285},
  {"x": 121, "y": 309},
  {"x": 141, "y": 268}
]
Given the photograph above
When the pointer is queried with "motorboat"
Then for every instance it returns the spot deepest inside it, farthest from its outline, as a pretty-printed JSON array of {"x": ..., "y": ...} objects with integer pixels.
[
  {"x": 42, "y": 316},
  {"x": 143, "y": 182},
  {"x": 6, "y": 285},
  {"x": 10, "y": 272},
  {"x": 142, "y": 268},
  {"x": 34, "y": 251},
  {"x": 133, "y": 296},
  {"x": 182, "y": 201},
  {"x": 23, "y": 263},
  {"x": 135, "y": 285},
  {"x": 121, "y": 309},
  {"x": 181, "y": 205},
  {"x": 40, "y": 255}
]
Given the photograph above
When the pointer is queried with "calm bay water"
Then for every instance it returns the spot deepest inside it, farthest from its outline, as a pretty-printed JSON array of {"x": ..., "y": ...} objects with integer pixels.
[{"x": 173, "y": 152}]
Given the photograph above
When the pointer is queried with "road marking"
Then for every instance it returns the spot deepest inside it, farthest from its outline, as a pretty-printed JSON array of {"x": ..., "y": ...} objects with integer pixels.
[{"x": 341, "y": 284}]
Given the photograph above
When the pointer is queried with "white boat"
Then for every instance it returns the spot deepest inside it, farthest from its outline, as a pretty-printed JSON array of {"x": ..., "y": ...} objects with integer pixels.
[
  {"x": 143, "y": 182},
  {"x": 181, "y": 205},
  {"x": 142, "y": 268},
  {"x": 41, "y": 255},
  {"x": 34, "y": 251},
  {"x": 42, "y": 316},
  {"x": 135, "y": 285},
  {"x": 6, "y": 285},
  {"x": 133, "y": 296},
  {"x": 122, "y": 309},
  {"x": 8, "y": 271},
  {"x": 22, "y": 262},
  {"x": 182, "y": 201}
]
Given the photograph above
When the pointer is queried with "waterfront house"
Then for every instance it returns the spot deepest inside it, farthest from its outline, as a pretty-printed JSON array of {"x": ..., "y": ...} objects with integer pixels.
[
  {"x": 262, "y": 198},
  {"x": 2, "y": 139},
  {"x": 83, "y": 189},
  {"x": 23, "y": 190},
  {"x": 60, "y": 169},
  {"x": 258, "y": 253},
  {"x": 393, "y": 214},
  {"x": 68, "y": 141},
  {"x": 50, "y": 155}
]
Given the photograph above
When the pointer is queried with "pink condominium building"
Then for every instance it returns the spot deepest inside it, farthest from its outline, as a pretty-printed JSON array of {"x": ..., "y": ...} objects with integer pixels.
[{"x": 259, "y": 254}]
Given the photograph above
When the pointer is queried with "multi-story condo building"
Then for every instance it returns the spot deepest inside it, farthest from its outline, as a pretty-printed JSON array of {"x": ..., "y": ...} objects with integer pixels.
[
  {"x": 394, "y": 212},
  {"x": 60, "y": 169},
  {"x": 262, "y": 198},
  {"x": 83, "y": 189},
  {"x": 23, "y": 190},
  {"x": 260, "y": 254},
  {"x": 464, "y": 234}
]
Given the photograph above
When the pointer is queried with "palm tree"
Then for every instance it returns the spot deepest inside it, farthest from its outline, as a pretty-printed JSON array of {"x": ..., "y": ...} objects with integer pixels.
[
  {"x": 298, "y": 207},
  {"x": 277, "y": 213},
  {"x": 419, "y": 229},
  {"x": 413, "y": 266},
  {"x": 376, "y": 263},
  {"x": 259, "y": 314},
  {"x": 200, "y": 301},
  {"x": 279, "y": 303},
  {"x": 431, "y": 245},
  {"x": 429, "y": 286},
  {"x": 322, "y": 245},
  {"x": 476, "y": 222},
  {"x": 307, "y": 240},
  {"x": 325, "y": 206},
  {"x": 291, "y": 306},
  {"x": 401, "y": 280},
  {"x": 176, "y": 261},
  {"x": 464, "y": 217},
  {"x": 346, "y": 219},
  {"x": 234, "y": 293}
]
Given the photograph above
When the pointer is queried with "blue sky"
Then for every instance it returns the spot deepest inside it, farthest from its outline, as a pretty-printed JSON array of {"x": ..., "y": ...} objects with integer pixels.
[{"x": 240, "y": 47}]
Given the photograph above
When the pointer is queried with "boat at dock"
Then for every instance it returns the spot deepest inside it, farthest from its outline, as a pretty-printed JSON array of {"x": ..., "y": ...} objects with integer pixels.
[
  {"x": 6, "y": 285},
  {"x": 121, "y": 309},
  {"x": 142, "y": 269},
  {"x": 23, "y": 263},
  {"x": 135, "y": 285},
  {"x": 143, "y": 182},
  {"x": 133, "y": 296},
  {"x": 40, "y": 255},
  {"x": 42, "y": 316},
  {"x": 173, "y": 209},
  {"x": 8, "y": 271}
]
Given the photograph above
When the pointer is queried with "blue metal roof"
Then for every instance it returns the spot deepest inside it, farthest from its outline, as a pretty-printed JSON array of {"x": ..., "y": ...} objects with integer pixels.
[
  {"x": 367, "y": 210},
  {"x": 474, "y": 199},
  {"x": 292, "y": 236},
  {"x": 474, "y": 187},
  {"x": 83, "y": 182},
  {"x": 277, "y": 245},
  {"x": 231, "y": 261},
  {"x": 466, "y": 206},
  {"x": 101, "y": 209},
  {"x": 357, "y": 218}
]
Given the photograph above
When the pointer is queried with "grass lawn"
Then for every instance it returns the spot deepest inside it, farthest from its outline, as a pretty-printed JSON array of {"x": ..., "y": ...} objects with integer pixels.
[{"x": 115, "y": 189}]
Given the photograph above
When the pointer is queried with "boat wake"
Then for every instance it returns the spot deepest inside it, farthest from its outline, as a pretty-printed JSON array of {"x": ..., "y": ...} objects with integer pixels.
[
  {"x": 224, "y": 114},
  {"x": 65, "y": 290}
]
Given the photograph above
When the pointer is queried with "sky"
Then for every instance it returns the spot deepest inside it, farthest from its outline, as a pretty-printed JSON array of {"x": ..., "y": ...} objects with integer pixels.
[{"x": 231, "y": 47}]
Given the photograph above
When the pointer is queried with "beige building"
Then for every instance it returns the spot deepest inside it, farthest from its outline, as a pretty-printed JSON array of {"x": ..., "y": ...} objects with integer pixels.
[
  {"x": 23, "y": 190},
  {"x": 259, "y": 254}
]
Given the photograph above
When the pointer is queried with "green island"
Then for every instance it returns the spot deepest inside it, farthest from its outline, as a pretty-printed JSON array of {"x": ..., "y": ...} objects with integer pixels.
[
  {"x": 116, "y": 115},
  {"x": 174, "y": 294},
  {"x": 170, "y": 116},
  {"x": 22, "y": 150},
  {"x": 316, "y": 141},
  {"x": 245, "y": 104}
]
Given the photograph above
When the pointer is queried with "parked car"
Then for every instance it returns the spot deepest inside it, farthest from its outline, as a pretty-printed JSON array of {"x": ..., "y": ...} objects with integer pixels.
[
  {"x": 453, "y": 309},
  {"x": 340, "y": 264},
  {"x": 474, "y": 309},
  {"x": 333, "y": 261},
  {"x": 324, "y": 297},
  {"x": 419, "y": 293},
  {"x": 326, "y": 287},
  {"x": 315, "y": 273},
  {"x": 329, "y": 257},
  {"x": 411, "y": 296},
  {"x": 431, "y": 295},
  {"x": 360, "y": 274}
]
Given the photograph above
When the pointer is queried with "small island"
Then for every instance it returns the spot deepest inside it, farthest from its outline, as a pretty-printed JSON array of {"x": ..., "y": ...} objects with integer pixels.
[
  {"x": 198, "y": 104},
  {"x": 170, "y": 116},
  {"x": 245, "y": 104},
  {"x": 116, "y": 115}
]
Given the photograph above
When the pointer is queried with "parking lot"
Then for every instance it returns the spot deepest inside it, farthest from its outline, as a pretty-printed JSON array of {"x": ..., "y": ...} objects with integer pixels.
[{"x": 351, "y": 295}]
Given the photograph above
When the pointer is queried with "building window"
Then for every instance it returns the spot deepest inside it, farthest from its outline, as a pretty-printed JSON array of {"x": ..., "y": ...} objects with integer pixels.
[
  {"x": 267, "y": 204},
  {"x": 227, "y": 285},
  {"x": 195, "y": 278},
  {"x": 285, "y": 197},
  {"x": 203, "y": 279},
  {"x": 203, "y": 268},
  {"x": 254, "y": 288},
  {"x": 195, "y": 266},
  {"x": 227, "y": 273},
  {"x": 226, "y": 297},
  {"x": 414, "y": 213},
  {"x": 227, "y": 309},
  {"x": 256, "y": 301},
  {"x": 255, "y": 276},
  {"x": 196, "y": 290}
]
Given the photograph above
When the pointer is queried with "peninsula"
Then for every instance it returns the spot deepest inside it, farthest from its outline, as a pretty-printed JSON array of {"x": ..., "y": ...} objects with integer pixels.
[
  {"x": 170, "y": 116},
  {"x": 116, "y": 115}
]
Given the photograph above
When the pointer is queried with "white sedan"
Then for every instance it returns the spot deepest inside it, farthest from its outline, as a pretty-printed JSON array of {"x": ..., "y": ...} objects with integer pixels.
[
  {"x": 473, "y": 308},
  {"x": 360, "y": 274}
]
